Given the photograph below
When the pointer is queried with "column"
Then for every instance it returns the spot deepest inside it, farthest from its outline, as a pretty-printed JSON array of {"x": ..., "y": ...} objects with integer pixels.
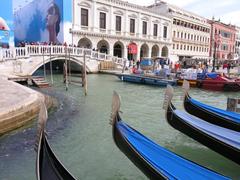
[
  {"x": 138, "y": 29},
  {"x": 125, "y": 51},
  {"x": 125, "y": 23},
  {"x": 138, "y": 52},
  {"x": 110, "y": 49},
  {"x": 94, "y": 10},
  {"x": 111, "y": 20},
  {"x": 160, "y": 31},
  {"x": 150, "y": 51},
  {"x": 150, "y": 29}
]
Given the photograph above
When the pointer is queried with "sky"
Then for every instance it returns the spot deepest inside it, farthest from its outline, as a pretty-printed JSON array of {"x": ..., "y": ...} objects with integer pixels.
[{"x": 228, "y": 11}]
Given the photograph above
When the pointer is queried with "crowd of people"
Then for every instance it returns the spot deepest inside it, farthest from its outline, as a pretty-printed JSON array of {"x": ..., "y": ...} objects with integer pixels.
[{"x": 24, "y": 43}]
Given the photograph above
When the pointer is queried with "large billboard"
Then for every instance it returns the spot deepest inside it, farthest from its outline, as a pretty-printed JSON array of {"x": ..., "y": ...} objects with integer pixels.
[
  {"x": 6, "y": 24},
  {"x": 38, "y": 21}
]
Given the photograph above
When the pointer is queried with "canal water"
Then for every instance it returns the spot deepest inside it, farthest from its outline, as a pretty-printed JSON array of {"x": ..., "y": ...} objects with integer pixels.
[{"x": 81, "y": 136}]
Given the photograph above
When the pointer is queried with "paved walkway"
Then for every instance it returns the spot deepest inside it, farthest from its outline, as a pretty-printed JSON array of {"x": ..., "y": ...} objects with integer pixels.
[{"x": 19, "y": 105}]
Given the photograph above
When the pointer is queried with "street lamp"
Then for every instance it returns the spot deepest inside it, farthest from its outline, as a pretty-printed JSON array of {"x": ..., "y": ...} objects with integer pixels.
[{"x": 216, "y": 40}]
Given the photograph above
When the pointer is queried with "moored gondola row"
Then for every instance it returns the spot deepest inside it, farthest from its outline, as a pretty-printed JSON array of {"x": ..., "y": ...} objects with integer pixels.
[
  {"x": 215, "y": 128},
  {"x": 219, "y": 132}
]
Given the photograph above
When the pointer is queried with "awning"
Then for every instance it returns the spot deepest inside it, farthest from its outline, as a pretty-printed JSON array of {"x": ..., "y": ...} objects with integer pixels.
[{"x": 132, "y": 48}]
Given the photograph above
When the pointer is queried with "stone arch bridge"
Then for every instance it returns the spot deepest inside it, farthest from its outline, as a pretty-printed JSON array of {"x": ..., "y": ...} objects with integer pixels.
[{"x": 26, "y": 60}]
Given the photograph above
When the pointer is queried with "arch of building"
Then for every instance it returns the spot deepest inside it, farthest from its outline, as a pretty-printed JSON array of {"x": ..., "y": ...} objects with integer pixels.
[
  {"x": 155, "y": 51},
  {"x": 85, "y": 43},
  {"x": 164, "y": 51},
  {"x": 144, "y": 51},
  {"x": 103, "y": 46},
  {"x": 59, "y": 58},
  {"x": 118, "y": 49}
]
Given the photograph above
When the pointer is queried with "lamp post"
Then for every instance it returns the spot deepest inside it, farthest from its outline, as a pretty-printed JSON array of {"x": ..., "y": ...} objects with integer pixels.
[
  {"x": 216, "y": 44},
  {"x": 214, "y": 56}
]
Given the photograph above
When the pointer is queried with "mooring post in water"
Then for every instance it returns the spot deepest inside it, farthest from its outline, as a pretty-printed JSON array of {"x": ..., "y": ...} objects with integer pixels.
[
  {"x": 66, "y": 69},
  {"x": 44, "y": 66},
  {"x": 69, "y": 68},
  {"x": 233, "y": 105},
  {"x": 84, "y": 73},
  {"x": 51, "y": 64}
]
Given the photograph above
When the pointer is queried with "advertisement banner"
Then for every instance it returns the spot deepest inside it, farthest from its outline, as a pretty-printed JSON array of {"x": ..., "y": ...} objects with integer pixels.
[
  {"x": 38, "y": 21},
  {"x": 6, "y": 24}
]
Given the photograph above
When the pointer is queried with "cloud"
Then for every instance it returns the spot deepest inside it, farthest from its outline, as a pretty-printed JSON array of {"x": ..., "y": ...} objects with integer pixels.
[
  {"x": 228, "y": 11},
  {"x": 181, "y": 3},
  {"x": 232, "y": 17}
]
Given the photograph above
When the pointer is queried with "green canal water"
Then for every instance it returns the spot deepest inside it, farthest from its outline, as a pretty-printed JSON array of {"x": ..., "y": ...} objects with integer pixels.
[{"x": 80, "y": 134}]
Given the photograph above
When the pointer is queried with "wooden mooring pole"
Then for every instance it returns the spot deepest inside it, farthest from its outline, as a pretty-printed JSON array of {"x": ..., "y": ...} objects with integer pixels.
[
  {"x": 84, "y": 77},
  {"x": 233, "y": 105},
  {"x": 66, "y": 69}
]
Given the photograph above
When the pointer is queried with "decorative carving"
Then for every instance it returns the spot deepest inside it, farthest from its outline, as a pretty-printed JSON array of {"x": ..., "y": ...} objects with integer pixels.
[
  {"x": 118, "y": 12},
  {"x": 84, "y": 4},
  {"x": 103, "y": 9}
]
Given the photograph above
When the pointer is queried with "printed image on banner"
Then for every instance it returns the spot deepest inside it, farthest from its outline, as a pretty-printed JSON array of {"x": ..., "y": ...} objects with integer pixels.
[
  {"x": 6, "y": 24},
  {"x": 38, "y": 21}
]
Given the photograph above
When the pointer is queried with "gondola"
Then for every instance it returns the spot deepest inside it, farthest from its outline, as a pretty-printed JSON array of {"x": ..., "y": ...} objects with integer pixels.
[
  {"x": 222, "y": 140},
  {"x": 154, "y": 161},
  {"x": 220, "y": 117},
  {"x": 47, "y": 164},
  {"x": 142, "y": 79}
]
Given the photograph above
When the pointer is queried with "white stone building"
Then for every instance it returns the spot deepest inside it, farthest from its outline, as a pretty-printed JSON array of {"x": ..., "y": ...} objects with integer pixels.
[
  {"x": 190, "y": 32},
  {"x": 237, "y": 45},
  {"x": 121, "y": 29}
]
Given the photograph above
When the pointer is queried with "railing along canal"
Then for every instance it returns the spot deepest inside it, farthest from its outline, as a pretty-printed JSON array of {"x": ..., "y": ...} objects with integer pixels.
[{"x": 39, "y": 50}]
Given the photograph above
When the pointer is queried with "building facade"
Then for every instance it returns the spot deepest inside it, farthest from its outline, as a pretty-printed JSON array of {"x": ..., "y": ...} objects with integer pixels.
[
  {"x": 121, "y": 29},
  {"x": 237, "y": 44},
  {"x": 190, "y": 32},
  {"x": 222, "y": 40}
]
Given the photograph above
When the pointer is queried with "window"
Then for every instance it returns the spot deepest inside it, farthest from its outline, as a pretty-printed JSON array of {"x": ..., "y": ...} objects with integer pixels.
[
  {"x": 173, "y": 46},
  {"x": 165, "y": 32},
  {"x": 102, "y": 20},
  {"x": 132, "y": 25},
  {"x": 144, "y": 27},
  {"x": 155, "y": 30},
  {"x": 224, "y": 47},
  {"x": 118, "y": 23},
  {"x": 84, "y": 17}
]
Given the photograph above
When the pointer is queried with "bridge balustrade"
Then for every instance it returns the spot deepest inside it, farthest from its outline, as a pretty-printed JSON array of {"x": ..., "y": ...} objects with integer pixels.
[{"x": 39, "y": 50}]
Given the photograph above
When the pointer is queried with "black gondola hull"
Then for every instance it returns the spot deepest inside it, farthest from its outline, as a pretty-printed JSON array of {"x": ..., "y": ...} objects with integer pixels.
[
  {"x": 203, "y": 138},
  {"x": 48, "y": 166},
  {"x": 209, "y": 116},
  {"x": 135, "y": 157}
]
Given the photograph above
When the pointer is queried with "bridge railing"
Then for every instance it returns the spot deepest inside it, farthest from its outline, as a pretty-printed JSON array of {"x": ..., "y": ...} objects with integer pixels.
[{"x": 47, "y": 50}]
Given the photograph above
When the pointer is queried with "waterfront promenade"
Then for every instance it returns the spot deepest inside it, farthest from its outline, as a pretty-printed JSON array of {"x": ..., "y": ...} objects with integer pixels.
[{"x": 19, "y": 105}]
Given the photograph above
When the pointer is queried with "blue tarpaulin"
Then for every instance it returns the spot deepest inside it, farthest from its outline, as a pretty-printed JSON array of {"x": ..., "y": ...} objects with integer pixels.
[{"x": 166, "y": 162}]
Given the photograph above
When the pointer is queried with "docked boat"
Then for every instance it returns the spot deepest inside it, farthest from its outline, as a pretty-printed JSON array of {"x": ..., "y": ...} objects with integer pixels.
[
  {"x": 141, "y": 79},
  {"x": 222, "y": 140},
  {"x": 193, "y": 82},
  {"x": 217, "y": 82},
  {"x": 220, "y": 117},
  {"x": 47, "y": 164},
  {"x": 154, "y": 161}
]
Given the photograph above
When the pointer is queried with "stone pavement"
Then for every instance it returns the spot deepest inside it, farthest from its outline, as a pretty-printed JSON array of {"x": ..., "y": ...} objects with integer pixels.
[{"x": 19, "y": 105}]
